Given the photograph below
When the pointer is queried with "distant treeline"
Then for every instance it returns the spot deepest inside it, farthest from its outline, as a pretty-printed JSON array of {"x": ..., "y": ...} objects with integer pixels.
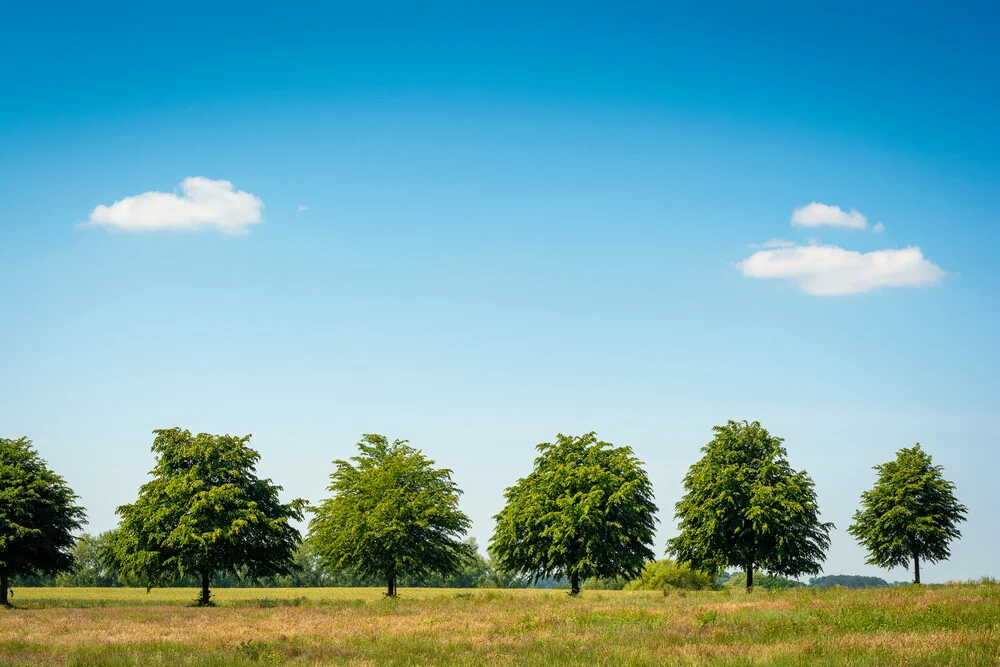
[
  {"x": 477, "y": 572},
  {"x": 90, "y": 570}
]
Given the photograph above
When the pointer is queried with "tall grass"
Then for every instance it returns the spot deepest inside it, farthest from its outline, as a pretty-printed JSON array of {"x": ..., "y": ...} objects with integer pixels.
[{"x": 957, "y": 624}]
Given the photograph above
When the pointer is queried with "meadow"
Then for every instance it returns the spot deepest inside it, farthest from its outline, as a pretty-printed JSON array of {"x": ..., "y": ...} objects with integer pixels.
[{"x": 954, "y": 624}]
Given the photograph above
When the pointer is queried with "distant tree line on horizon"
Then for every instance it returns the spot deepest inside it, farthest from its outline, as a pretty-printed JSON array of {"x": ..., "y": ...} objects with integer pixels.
[
  {"x": 584, "y": 516},
  {"x": 91, "y": 571}
]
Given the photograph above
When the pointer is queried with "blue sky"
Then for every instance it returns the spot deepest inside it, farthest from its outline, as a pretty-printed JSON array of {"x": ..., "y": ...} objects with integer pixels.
[{"x": 518, "y": 222}]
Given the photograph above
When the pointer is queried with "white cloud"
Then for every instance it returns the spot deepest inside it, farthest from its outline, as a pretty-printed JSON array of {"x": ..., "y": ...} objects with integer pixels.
[
  {"x": 303, "y": 207},
  {"x": 202, "y": 202},
  {"x": 817, "y": 215},
  {"x": 879, "y": 227},
  {"x": 829, "y": 270},
  {"x": 774, "y": 243}
]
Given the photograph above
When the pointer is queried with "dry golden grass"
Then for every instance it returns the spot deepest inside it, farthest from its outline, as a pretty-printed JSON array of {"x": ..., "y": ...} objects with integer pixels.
[{"x": 930, "y": 625}]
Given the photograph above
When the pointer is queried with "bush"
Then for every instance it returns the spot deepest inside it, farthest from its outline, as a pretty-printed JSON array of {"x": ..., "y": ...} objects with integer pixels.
[{"x": 666, "y": 574}]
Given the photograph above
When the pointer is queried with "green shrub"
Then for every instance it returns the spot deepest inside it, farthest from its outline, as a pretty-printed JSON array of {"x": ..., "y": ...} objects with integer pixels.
[{"x": 666, "y": 574}]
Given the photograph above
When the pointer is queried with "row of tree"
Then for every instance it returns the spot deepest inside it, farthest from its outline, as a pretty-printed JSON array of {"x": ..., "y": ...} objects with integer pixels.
[{"x": 584, "y": 512}]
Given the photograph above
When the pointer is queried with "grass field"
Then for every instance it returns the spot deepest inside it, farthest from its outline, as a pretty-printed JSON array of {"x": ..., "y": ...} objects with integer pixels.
[{"x": 958, "y": 624}]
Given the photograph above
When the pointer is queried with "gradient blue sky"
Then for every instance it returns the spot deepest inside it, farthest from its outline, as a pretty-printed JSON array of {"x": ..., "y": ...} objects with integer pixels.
[{"x": 520, "y": 221}]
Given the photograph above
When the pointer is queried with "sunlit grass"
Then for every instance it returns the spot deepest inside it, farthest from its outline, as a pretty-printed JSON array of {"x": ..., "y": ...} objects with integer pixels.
[{"x": 957, "y": 624}]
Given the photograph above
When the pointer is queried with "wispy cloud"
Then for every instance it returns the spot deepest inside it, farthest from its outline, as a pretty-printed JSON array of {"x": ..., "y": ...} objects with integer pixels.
[
  {"x": 830, "y": 270},
  {"x": 302, "y": 207},
  {"x": 200, "y": 202},
  {"x": 818, "y": 215},
  {"x": 774, "y": 243},
  {"x": 879, "y": 227}
]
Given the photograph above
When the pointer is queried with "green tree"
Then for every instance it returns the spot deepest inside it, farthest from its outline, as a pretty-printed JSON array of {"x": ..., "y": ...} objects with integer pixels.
[
  {"x": 206, "y": 513},
  {"x": 392, "y": 514},
  {"x": 585, "y": 510},
  {"x": 910, "y": 514},
  {"x": 89, "y": 568},
  {"x": 38, "y": 513},
  {"x": 745, "y": 507}
]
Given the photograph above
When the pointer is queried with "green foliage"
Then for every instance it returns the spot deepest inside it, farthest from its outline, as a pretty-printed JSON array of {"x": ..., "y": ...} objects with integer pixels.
[
  {"x": 746, "y": 507},
  {"x": 392, "y": 514},
  {"x": 667, "y": 574},
  {"x": 848, "y": 581},
  {"x": 586, "y": 510},
  {"x": 205, "y": 512},
  {"x": 38, "y": 513},
  {"x": 89, "y": 568},
  {"x": 911, "y": 513},
  {"x": 769, "y": 582}
]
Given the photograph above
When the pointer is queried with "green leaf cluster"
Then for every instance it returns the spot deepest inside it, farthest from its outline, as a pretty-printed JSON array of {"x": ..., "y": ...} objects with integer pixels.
[
  {"x": 911, "y": 512},
  {"x": 745, "y": 507},
  {"x": 392, "y": 513},
  {"x": 38, "y": 514},
  {"x": 585, "y": 510},
  {"x": 89, "y": 568},
  {"x": 667, "y": 574},
  {"x": 204, "y": 512}
]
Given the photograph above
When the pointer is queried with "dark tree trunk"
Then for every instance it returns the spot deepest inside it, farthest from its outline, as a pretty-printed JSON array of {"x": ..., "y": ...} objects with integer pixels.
[
  {"x": 4, "y": 585},
  {"x": 392, "y": 586},
  {"x": 204, "y": 600},
  {"x": 574, "y": 582},
  {"x": 916, "y": 567},
  {"x": 749, "y": 576}
]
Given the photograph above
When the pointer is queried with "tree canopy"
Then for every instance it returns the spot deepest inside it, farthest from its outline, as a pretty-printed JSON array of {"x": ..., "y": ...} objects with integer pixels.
[
  {"x": 910, "y": 514},
  {"x": 585, "y": 510},
  {"x": 205, "y": 512},
  {"x": 38, "y": 513},
  {"x": 745, "y": 507},
  {"x": 392, "y": 514}
]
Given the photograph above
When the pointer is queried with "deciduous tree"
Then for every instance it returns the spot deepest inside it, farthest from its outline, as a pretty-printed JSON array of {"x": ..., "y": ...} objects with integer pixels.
[
  {"x": 205, "y": 512},
  {"x": 910, "y": 514},
  {"x": 392, "y": 513},
  {"x": 585, "y": 510},
  {"x": 38, "y": 514},
  {"x": 745, "y": 507}
]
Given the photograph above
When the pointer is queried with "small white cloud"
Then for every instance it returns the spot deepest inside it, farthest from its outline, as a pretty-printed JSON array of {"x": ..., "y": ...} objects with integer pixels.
[
  {"x": 303, "y": 207},
  {"x": 774, "y": 243},
  {"x": 817, "y": 215},
  {"x": 830, "y": 270},
  {"x": 879, "y": 227},
  {"x": 202, "y": 202}
]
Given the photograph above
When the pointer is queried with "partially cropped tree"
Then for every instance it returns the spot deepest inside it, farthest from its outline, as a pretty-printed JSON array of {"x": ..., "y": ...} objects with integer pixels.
[
  {"x": 585, "y": 510},
  {"x": 206, "y": 513},
  {"x": 910, "y": 514},
  {"x": 38, "y": 513},
  {"x": 745, "y": 507},
  {"x": 392, "y": 514}
]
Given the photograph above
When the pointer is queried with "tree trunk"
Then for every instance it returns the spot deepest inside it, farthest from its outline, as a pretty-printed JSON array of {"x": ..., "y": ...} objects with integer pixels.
[
  {"x": 4, "y": 584},
  {"x": 574, "y": 582},
  {"x": 392, "y": 586},
  {"x": 204, "y": 600},
  {"x": 916, "y": 567},
  {"x": 749, "y": 576}
]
